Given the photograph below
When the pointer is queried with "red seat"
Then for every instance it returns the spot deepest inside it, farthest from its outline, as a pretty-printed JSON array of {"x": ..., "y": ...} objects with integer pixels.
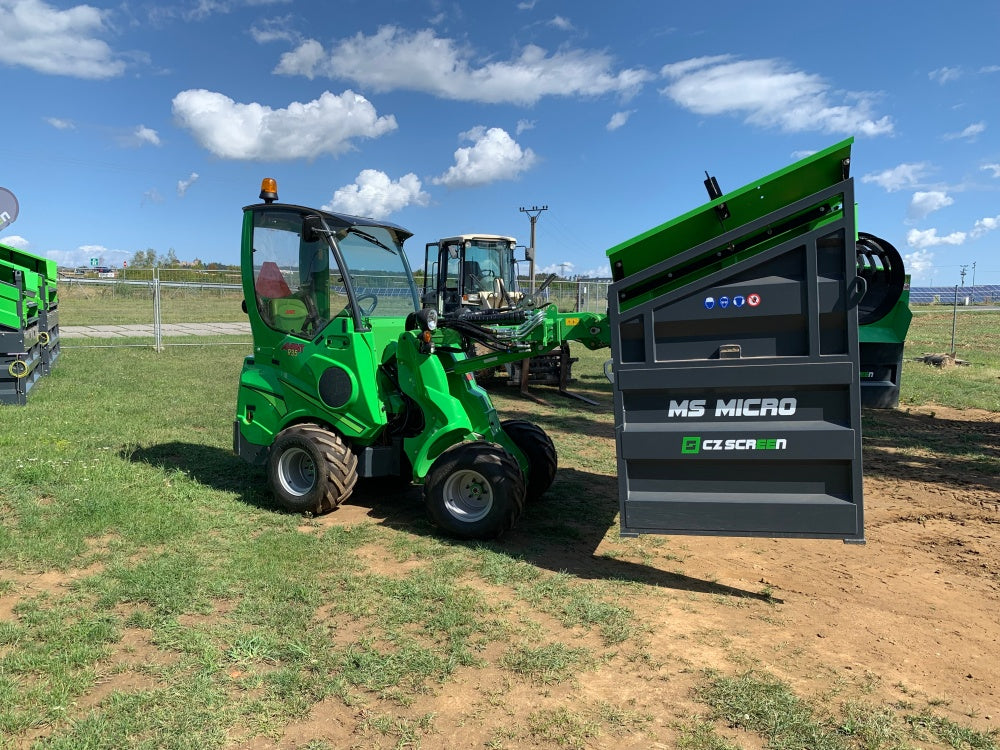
[{"x": 270, "y": 282}]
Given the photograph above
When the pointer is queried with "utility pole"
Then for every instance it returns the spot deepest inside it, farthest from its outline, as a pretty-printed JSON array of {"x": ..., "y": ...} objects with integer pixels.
[
  {"x": 533, "y": 213},
  {"x": 964, "y": 266},
  {"x": 973, "y": 282}
]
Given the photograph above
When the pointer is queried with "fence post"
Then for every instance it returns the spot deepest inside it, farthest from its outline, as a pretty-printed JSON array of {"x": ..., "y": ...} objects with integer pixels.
[
  {"x": 157, "y": 328},
  {"x": 954, "y": 320}
]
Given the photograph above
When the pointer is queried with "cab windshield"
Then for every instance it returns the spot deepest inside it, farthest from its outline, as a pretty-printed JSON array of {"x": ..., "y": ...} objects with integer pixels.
[
  {"x": 378, "y": 270},
  {"x": 306, "y": 267},
  {"x": 485, "y": 262}
]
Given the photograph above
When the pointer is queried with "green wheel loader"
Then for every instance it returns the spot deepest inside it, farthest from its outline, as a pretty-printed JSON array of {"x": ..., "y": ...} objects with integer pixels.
[{"x": 349, "y": 379}]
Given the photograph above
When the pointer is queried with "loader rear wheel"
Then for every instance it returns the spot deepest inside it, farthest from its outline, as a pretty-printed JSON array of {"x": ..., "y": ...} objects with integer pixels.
[
  {"x": 311, "y": 469},
  {"x": 474, "y": 491},
  {"x": 540, "y": 452}
]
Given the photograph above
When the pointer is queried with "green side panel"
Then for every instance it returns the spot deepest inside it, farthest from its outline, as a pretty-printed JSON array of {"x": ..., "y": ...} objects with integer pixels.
[
  {"x": 19, "y": 300},
  {"x": 43, "y": 266},
  {"x": 891, "y": 329},
  {"x": 750, "y": 202}
]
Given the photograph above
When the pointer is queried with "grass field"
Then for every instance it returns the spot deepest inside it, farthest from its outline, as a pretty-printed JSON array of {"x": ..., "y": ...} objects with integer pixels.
[
  {"x": 118, "y": 304},
  {"x": 977, "y": 335},
  {"x": 151, "y": 596}
]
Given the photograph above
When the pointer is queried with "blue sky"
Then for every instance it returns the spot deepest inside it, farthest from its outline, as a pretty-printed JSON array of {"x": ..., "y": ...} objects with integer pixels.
[{"x": 129, "y": 125}]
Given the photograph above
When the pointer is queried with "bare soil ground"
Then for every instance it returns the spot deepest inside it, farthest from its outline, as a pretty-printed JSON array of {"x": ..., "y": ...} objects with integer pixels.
[{"x": 909, "y": 620}]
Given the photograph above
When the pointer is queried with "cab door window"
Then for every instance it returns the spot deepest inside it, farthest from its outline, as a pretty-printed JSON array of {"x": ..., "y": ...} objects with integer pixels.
[{"x": 292, "y": 275}]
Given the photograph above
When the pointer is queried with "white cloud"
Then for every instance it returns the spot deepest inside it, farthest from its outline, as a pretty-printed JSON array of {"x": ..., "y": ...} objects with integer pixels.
[
  {"x": 374, "y": 194},
  {"x": 922, "y": 239},
  {"x": 151, "y": 196},
  {"x": 983, "y": 226},
  {"x": 567, "y": 269},
  {"x": 203, "y": 9},
  {"x": 183, "y": 185},
  {"x": 303, "y": 60},
  {"x": 945, "y": 75},
  {"x": 233, "y": 130},
  {"x": 618, "y": 119},
  {"x": 929, "y": 237},
  {"x": 898, "y": 178},
  {"x": 994, "y": 168},
  {"x": 523, "y": 125},
  {"x": 925, "y": 203},
  {"x": 139, "y": 137},
  {"x": 563, "y": 270},
  {"x": 81, "y": 256},
  {"x": 394, "y": 58},
  {"x": 600, "y": 272},
  {"x": 970, "y": 133},
  {"x": 142, "y": 134},
  {"x": 274, "y": 30},
  {"x": 918, "y": 263},
  {"x": 563, "y": 24},
  {"x": 15, "y": 241},
  {"x": 60, "y": 124},
  {"x": 770, "y": 94},
  {"x": 35, "y": 35},
  {"x": 493, "y": 156}
]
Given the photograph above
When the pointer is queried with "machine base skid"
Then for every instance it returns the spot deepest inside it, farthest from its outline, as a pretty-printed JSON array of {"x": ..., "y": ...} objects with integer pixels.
[
  {"x": 881, "y": 368},
  {"x": 22, "y": 339},
  {"x": 14, "y": 389}
]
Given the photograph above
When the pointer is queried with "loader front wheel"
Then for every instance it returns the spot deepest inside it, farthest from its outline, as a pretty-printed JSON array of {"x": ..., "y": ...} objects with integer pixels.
[
  {"x": 474, "y": 491},
  {"x": 311, "y": 469},
  {"x": 537, "y": 447}
]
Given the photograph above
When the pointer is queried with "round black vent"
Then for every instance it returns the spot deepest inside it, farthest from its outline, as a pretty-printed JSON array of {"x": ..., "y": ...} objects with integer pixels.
[{"x": 335, "y": 387}]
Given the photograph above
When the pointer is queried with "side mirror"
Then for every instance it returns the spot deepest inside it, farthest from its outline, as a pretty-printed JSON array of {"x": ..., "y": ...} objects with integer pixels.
[
  {"x": 529, "y": 253},
  {"x": 312, "y": 226}
]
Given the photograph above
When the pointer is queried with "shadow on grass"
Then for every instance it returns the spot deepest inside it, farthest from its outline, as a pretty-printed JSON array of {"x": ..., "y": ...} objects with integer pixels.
[
  {"x": 924, "y": 448},
  {"x": 213, "y": 467},
  {"x": 560, "y": 533}
]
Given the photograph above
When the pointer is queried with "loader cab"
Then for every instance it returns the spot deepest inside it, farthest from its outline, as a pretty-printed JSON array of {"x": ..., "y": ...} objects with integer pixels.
[
  {"x": 306, "y": 268},
  {"x": 471, "y": 271}
]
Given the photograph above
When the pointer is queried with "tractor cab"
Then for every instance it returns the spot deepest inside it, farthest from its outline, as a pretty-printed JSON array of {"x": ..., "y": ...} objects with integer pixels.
[
  {"x": 472, "y": 271},
  {"x": 305, "y": 268}
]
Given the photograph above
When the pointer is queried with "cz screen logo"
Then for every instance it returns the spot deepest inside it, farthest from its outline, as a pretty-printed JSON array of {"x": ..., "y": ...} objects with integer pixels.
[
  {"x": 695, "y": 444},
  {"x": 690, "y": 445}
]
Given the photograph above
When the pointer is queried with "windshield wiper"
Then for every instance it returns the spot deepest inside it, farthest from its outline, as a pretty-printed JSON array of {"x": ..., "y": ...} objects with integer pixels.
[{"x": 374, "y": 240}]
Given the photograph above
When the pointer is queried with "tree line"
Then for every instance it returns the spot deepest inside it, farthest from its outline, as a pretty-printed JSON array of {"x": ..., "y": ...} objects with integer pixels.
[{"x": 149, "y": 258}]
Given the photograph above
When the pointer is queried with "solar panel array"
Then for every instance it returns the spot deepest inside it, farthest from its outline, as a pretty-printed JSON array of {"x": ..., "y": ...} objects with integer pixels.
[{"x": 945, "y": 295}]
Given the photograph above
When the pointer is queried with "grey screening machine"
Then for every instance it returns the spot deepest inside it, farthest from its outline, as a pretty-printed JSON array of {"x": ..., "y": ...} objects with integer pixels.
[{"x": 734, "y": 336}]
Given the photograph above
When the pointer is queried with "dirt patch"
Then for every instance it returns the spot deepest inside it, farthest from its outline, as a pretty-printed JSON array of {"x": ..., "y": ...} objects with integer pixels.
[
  {"x": 906, "y": 620},
  {"x": 21, "y": 586}
]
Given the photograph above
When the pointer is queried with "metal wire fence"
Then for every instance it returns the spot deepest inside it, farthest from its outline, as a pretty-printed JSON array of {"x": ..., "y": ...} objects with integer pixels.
[
  {"x": 152, "y": 307},
  {"x": 161, "y": 307},
  {"x": 985, "y": 294}
]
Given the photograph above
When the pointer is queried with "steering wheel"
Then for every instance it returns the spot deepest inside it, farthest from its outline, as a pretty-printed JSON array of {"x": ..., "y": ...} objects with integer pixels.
[
  {"x": 312, "y": 313},
  {"x": 371, "y": 308}
]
